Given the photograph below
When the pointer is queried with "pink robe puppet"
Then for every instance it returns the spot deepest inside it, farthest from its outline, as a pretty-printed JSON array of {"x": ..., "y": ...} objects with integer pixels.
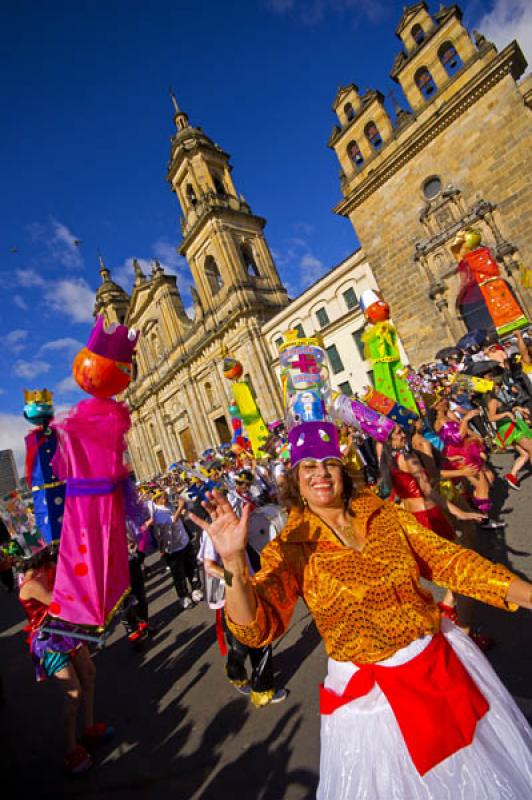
[{"x": 92, "y": 569}]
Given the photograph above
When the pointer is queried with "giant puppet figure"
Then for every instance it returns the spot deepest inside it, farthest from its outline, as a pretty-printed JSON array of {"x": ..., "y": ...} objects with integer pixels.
[
  {"x": 248, "y": 411},
  {"x": 484, "y": 298},
  {"x": 381, "y": 347},
  {"x": 48, "y": 492},
  {"x": 92, "y": 569}
]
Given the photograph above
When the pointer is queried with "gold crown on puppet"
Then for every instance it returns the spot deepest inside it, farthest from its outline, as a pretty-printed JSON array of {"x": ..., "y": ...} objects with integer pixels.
[{"x": 38, "y": 396}]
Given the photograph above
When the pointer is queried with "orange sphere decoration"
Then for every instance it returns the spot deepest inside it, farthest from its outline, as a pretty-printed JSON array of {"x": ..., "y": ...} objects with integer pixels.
[
  {"x": 100, "y": 376},
  {"x": 233, "y": 369},
  {"x": 378, "y": 312}
]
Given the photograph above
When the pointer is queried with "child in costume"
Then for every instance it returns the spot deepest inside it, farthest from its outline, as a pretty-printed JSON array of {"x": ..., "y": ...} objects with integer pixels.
[{"x": 63, "y": 657}]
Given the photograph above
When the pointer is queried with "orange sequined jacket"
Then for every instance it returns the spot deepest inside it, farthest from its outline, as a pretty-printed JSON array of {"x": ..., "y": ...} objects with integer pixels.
[{"x": 369, "y": 604}]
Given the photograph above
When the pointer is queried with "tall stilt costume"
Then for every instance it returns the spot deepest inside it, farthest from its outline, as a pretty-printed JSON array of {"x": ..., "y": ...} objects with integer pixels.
[
  {"x": 48, "y": 492},
  {"x": 382, "y": 348},
  {"x": 483, "y": 289},
  {"x": 249, "y": 413},
  {"x": 92, "y": 569}
]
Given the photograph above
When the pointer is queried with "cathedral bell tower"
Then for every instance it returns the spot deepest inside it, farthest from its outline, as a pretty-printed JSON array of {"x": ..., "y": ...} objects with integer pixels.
[{"x": 223, "y": 241}]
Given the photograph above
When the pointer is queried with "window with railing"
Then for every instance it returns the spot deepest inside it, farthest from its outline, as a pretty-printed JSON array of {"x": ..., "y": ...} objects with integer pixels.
[
  {"x": 322, "y": 317},
  {"x": 300, "y": 330},
  {"x": 359, "y": 344},
  {"x": 345, "y": 388},
  {"x": 334, "y": 359},
  {"x": 350, "y": 298}
]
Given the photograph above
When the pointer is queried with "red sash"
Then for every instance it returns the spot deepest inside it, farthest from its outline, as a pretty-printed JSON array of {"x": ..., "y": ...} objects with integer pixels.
[{"x": 434, "y": 699}]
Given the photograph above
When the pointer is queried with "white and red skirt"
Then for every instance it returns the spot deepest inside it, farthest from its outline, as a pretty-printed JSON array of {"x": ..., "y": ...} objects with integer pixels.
[{"x": 371, "y": 751}]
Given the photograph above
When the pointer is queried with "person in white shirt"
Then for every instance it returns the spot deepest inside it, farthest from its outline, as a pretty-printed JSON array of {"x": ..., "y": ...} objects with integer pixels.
[{"x": 174, "y": 542}]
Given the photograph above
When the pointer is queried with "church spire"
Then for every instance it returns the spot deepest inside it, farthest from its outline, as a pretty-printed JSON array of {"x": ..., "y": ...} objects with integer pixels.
[
  {"x": 180, "y": 118},
  {"x": 104, "y": 271}
]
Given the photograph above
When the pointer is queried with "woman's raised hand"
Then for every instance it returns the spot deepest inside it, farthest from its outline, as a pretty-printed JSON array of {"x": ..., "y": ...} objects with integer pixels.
[{"x": 229, "y": 534}]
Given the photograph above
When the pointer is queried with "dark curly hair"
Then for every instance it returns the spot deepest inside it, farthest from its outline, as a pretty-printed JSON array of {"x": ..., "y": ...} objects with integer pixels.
[{"x": 290, "y": 496}]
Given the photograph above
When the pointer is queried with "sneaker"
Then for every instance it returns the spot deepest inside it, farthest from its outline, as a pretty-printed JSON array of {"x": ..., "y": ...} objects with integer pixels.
[
  {"x": 197, "y": 595},
  {"x": 97, "y": 734},
  {"x": 134, "y": 636},
  {"x": 243, "y": 688},
  {"x": 143, "y": 627},
  {"x": 493, "y": 524},
  {"x": 512, "y": 481},
  {"x": 279, "y": 696},
  {"x": 78, "y": 761},
  {"x": 185, "y": 602}
]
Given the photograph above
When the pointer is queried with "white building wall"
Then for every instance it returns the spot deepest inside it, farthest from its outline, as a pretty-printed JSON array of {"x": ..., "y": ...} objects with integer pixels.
[{"x": 328, "y": 293}]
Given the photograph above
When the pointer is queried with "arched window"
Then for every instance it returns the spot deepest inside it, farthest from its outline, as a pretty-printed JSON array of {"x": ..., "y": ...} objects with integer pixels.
[
  {"x": 373, "y": 136},
  {"x": 219, "y": 186},
  {"x": 209, "y": 394},
  {"x": 449, "y": 58},
  {"x": 353, "y": 151},
  {"x": 418, "y": 34},
  {"x": 191, "y": 195},
  {"x": 425, "y": 83},
  {"x": 349, "y": 112},
  {"x": 249, "y": 260},
  {"x": 213, "y": 275}
]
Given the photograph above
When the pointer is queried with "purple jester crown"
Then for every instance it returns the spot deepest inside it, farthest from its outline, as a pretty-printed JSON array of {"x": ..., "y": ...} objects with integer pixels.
[{"x": 116, "y": 343}]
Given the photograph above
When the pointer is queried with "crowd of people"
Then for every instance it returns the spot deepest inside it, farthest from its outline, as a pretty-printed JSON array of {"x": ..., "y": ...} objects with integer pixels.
[{"x": 315, "y": 527}]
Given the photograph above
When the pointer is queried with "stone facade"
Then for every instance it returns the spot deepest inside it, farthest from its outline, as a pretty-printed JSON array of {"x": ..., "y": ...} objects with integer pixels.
[
  {"x": 461, "y": 155},
  {"x": 179, "y": 397}
]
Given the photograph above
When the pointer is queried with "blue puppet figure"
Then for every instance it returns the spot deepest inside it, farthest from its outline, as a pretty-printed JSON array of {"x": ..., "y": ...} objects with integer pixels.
[{"x": 48, "y": 492}]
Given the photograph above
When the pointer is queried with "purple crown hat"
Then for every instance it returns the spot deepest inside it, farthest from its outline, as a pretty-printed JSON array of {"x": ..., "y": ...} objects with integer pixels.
[
  {"x": 318, "y": 440},
  {"x": 116, "y": 343}
]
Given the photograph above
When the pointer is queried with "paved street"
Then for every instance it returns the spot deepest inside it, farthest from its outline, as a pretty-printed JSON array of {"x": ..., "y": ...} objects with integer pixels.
[{"x": 181, "y": 730}]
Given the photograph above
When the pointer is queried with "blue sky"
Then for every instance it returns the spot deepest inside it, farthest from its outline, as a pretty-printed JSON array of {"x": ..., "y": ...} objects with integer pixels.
[{"x": 85, "y": 143}]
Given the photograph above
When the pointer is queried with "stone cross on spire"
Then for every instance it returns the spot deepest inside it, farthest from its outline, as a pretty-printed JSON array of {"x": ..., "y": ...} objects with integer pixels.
[
  {"x": 104, "y": 271},
  {"x": 180, "y": 118}
]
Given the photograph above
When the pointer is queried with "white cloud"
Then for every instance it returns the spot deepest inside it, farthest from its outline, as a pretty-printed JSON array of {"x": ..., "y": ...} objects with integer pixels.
[
  {"x": 29, "y": 278},
  {"x": 19, "y": 301},
  {"x": 508, "y": 20},
  {"x": 67, "y": 343},
  {"x": 13, "y": 429},
  {"x": 14, "y": 341},
  {"x": 67, "y": 385},
  {"x": 62, "y": 244},
  {"x": 30, "y": 369},
  {"x": 72, "y": 297},
  {"x": 170, "y": 259}
]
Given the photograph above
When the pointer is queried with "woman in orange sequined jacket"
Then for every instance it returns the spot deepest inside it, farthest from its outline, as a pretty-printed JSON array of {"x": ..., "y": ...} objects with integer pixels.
[{"x": 410, "y": 706}]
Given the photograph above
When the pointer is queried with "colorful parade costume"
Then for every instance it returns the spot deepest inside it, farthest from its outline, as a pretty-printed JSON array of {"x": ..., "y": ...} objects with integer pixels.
[
  {"x": 48, "y": 492},
  {"x": 406, "y": 487},
  {"x": 482, "y": 288},
  {"x": 92, "y": 569},
  {"x": 372, "y": 612},
  {"x": 468, "y": 450},
  {"x": 382, "y": 349},
  {"x": 51, "y": 652}
]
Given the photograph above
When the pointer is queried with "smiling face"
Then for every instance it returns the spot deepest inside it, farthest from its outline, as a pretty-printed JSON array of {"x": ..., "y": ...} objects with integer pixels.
[{"x": 321, "y": 482}]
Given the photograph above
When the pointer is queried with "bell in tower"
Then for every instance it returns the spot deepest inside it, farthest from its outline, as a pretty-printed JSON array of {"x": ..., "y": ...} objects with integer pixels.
[{"x": 223, "y": 241}]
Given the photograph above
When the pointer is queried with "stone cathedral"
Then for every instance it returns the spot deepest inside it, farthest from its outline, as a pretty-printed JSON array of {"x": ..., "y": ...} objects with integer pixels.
[
  {"x": 460, "y": 155},
  {"x": 179, "y": 399}
]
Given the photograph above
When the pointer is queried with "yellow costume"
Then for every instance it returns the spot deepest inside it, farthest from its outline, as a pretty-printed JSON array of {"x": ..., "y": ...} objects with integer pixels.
[{"x": 369, "y": 604}]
